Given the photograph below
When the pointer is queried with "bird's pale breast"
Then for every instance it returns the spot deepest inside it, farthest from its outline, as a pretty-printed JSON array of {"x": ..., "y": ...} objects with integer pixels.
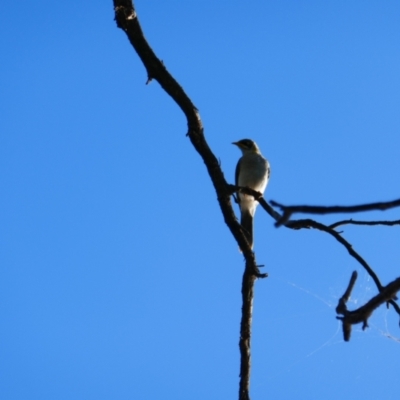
[{"x": 253, "y": 172}]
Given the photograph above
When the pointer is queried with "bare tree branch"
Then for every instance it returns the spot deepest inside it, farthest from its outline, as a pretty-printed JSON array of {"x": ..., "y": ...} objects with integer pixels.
[
  {"x": 341, "y": 308},
  {"x": 127, "y": 20},
  {"x": 370, "y": 223},
  {"x": 362, "y": 313},
  {"x": 309, "y": 223},
  {"x": 245, "y": 333},
  {"x": 289, "y": 210}
]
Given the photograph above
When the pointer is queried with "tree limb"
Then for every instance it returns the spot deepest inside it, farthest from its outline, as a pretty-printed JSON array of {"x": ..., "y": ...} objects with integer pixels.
[
  {"x": 127, "y": 20},
  {"x": 289, "y": 210},
  {"x": 362, "y": 313},
  {"x": 309, "y": 223},
  {"x": 369, "y": 223}
]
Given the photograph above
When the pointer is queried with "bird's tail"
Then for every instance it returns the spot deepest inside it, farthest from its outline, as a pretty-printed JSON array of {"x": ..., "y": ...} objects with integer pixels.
[{"x": 247, "y": 223}]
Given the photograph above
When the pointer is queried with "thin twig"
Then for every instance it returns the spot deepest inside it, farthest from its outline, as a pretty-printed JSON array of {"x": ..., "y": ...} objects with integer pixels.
[
  {"x": 289, "y": 210},
  {"x": 341, "y": 308},
  {"x": 369, "y": 223}
]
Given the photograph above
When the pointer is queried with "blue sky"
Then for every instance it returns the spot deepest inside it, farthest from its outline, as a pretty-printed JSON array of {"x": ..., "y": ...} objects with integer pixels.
[{"x": 119, "y": 279}]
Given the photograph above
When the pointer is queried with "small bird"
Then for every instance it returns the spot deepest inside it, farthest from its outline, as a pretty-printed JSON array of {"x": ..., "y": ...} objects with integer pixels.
[{"x": 252, "y": 171}]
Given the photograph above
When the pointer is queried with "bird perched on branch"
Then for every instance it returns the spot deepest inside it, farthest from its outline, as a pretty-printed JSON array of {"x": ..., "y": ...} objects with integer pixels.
[{"x": 252, "y": 171}]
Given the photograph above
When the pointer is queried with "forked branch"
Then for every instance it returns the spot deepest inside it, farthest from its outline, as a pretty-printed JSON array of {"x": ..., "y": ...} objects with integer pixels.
[
  {"x": 361, "y": 314},
  {"x": 311, "y": 224},
  {"x": 127, "y": 20}
]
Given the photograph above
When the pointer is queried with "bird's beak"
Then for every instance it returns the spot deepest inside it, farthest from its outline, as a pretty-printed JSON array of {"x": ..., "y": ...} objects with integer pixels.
[{"x": 238, "y": 144}]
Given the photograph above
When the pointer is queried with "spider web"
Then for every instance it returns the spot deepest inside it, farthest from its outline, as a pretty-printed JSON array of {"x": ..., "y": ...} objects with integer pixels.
[{"x": 380, "y": 324}]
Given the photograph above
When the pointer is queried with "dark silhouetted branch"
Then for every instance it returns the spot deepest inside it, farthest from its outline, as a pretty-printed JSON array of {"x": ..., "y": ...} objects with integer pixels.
[
  {"x": 311, "y": 224},
  {"x": 368, "y": 223},
  {"x": 288, "y": 211},
  {"x": 341, "y": 308},
  {"x": 127, "y": 20},
  {"x": 361, "y": 315}
]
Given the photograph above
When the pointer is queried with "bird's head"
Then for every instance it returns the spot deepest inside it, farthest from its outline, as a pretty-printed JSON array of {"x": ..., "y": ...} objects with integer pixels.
[{"x": 247, "y": 146}]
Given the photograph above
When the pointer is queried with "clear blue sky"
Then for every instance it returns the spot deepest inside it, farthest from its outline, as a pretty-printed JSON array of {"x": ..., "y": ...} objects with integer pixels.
[{"x": 119, "y": 279}]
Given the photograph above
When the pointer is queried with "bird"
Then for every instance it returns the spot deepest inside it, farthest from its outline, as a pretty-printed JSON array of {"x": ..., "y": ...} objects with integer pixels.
[{"x": 252, "y": 171}]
